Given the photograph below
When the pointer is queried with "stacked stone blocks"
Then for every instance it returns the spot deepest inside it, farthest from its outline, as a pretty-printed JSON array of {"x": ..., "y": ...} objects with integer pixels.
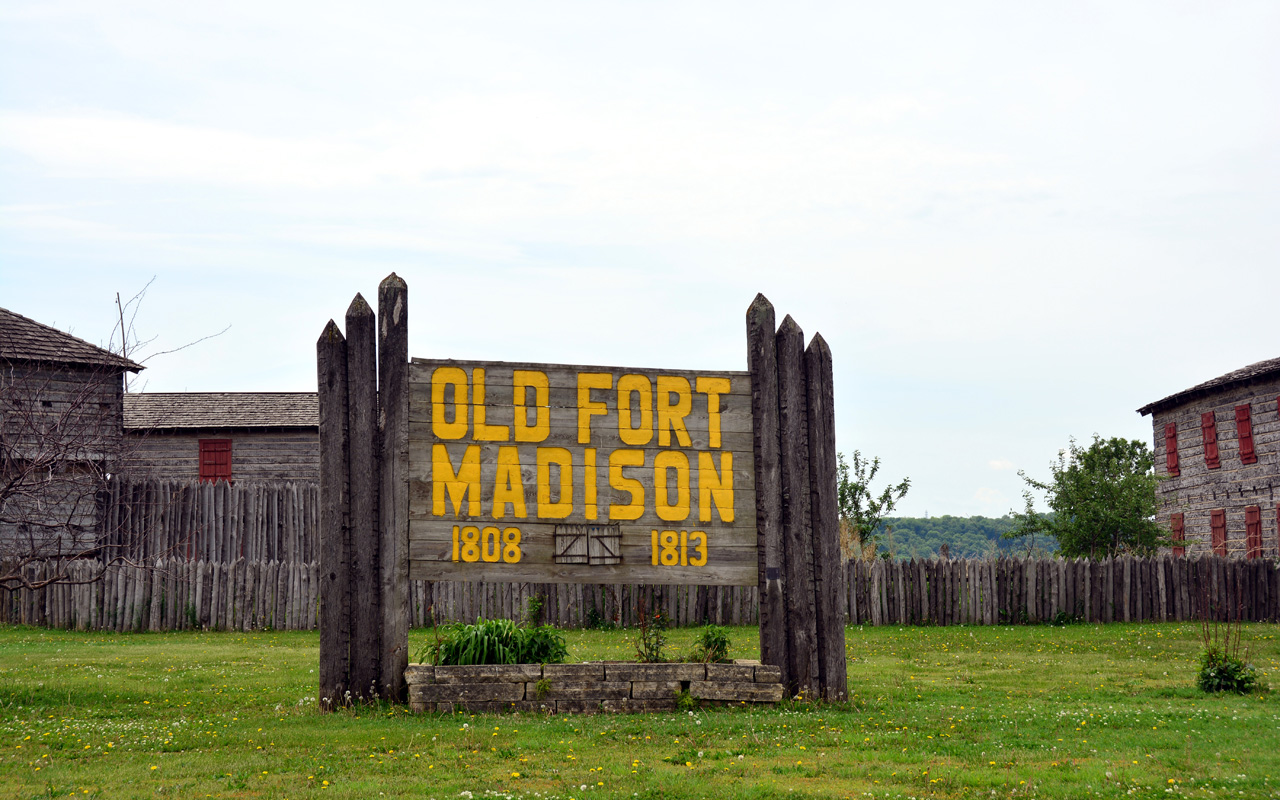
[{"x": 589, "y": 687}]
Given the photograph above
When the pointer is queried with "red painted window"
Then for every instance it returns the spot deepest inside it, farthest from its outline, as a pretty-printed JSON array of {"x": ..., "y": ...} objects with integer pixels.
[
  {"x": 1179, "y": 531},
  {"x": 215, "y": 460},
  {"x": 1209, "y": 430},
  {"x": 1171, "y": 448},
  {"x": 1253, "y": 532},
  {"x": 1218, "y": 527},
  {"x": 1244, "y": 433}
]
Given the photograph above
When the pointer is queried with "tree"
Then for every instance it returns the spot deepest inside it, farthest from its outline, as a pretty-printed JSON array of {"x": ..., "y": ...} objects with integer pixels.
[
  {"x": 61, "y": 439},
  {"x": 860, "y": 509},
  {"x": 1102, "y": 501}
]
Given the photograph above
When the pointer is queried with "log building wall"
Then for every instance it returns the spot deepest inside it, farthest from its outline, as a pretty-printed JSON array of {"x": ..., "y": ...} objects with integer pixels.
[{"x": 277, "y": 454}]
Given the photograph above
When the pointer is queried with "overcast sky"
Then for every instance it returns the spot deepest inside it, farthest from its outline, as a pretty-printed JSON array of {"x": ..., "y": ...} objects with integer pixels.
[{"x": 1013, "y": 223}]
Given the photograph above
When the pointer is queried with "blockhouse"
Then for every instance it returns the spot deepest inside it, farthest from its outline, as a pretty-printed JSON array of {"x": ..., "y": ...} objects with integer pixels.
[
  {"x": 230, "y": 436},
  {"x": 60, "y": 434},
  {"x": 1217, "y": 446}
]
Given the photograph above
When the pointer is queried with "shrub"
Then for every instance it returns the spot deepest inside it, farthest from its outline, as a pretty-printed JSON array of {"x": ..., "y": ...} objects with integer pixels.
[
  {"x": 711, "y": 645},
  {"x": 1221, "y": 671},
  {"x": 1224, "y": 662},
  {"x": 494, "y": 641},
  {"x": 652, "y": 636}
]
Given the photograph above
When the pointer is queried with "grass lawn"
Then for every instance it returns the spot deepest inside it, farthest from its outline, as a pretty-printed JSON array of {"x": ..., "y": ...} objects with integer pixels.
[{"x": 1075, "y": 711}]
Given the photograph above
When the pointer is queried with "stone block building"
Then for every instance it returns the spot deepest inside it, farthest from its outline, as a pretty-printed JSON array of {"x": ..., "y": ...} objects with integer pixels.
[{"x": 1217, "y": 446}]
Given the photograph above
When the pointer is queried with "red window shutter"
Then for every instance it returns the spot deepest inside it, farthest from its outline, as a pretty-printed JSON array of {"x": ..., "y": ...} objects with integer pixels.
[
  {"x": 1218, "y": 528},
  {"x": 1171, "y": 448},
  {"x": 1209, "y": 430},
  {"x": 1253, "y": 532},
  {"x": 215, "y": 460},
  {"x": 1179, "y": 531},
  {"x": 1244, "y": 433}
]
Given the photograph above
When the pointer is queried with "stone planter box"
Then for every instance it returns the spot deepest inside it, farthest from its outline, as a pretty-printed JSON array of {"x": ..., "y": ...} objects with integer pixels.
[{"x": 588, "y": 687}]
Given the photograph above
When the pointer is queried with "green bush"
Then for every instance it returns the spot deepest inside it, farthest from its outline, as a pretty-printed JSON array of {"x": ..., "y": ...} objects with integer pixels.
[
  {"x": 711, "y": 645},
  {"x": 1221, "y": 671},
  {"x": 493, "y": 641}
]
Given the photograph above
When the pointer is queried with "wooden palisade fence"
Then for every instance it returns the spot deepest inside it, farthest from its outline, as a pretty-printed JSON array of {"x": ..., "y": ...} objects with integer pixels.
[
  {"x": 144, "y": 519},
  {"x": 244, "y": 595}
]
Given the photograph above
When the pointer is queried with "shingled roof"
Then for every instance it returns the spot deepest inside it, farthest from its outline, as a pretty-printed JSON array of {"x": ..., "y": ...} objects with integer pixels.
[
  {"x": 1254, "y": 372},
  {"x": 23, "y": 339},
  {"x": 172, "y": 410}
]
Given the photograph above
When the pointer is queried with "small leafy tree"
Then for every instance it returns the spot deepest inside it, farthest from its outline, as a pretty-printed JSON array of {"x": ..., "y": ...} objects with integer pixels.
[
  {"x": 1102, "y": 501},
  {"x": 860, "y": 508}
]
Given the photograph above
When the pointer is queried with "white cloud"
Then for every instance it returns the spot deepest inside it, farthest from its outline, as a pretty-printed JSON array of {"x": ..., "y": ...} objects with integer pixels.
[{"x": 1000, "y": 464}]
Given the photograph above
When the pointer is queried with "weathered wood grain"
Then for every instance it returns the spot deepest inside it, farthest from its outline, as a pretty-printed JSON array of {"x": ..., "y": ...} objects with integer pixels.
[
  {"x": 363, "y": 469},
  {"x": 825, "y": 522},
  {"x": 762, "y": 363},
  {"x": 796, "y": 507},
  {"x": 335, "y": 541},
  {"x": 393, "y": 404}
]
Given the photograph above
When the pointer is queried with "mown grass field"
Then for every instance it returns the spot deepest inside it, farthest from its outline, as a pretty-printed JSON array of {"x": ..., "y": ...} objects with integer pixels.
[{"x": 1076, "y": 711}]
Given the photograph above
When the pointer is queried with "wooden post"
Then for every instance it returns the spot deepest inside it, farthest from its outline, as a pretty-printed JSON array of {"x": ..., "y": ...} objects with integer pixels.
[
  {"x": 828, "y": 584},
  {"x": 393, "y": 403},
  {"x": 762, "y": 362},
  {"x": 335, "y": 545},
  {"x": 802, "y": 644},
  {"x": 362, "y": 465}
]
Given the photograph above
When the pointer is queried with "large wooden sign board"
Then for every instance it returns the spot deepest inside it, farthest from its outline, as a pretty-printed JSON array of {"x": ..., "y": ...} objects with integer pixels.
[
  {"x": 580, "y": 474},
  {"x": 548, "y": 473}
]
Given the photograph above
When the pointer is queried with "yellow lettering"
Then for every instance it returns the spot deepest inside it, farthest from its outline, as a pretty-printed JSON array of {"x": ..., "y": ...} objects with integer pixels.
[
  {"x": 441, "y": 379},
  {"x": 715, "y": 488},
  {"x": 461, "y": 485},
  {"x": 508, "y": 484},
  {"x": 671, "y": 416},
  {"x": 617, "y": 460},
  {"x": 713, "y": 388},
  {"x": 491, "y": 544},
  {"x": 699, "y": 560},
  {"x": 481, "y": 431},
  {"x": 563, "y": 459},
  {"x": 589, "y": 482},
  {"x": 667, "y": 510},
  {"x": 537, "y": 381},
  {"x": 587, "y": 408},
  {"x": 639, "y": 385}
]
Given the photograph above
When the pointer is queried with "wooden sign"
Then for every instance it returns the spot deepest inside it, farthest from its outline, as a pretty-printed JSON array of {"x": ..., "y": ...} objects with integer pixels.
[{"x": 550, "y": 473}]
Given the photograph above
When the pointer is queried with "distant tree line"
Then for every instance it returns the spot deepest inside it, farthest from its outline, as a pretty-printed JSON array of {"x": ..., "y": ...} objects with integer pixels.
[{"x": 965, "y": 537}]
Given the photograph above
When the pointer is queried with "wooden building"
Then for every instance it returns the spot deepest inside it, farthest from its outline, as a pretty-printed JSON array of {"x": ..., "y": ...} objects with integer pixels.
[
  {"x": 1217, "y": 445},
  {"x": 233, "y": 436},
  {"x": 61, "y": 412}
]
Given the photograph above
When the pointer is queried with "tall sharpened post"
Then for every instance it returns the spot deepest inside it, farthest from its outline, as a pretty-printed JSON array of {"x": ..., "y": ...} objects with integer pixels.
[
  {"x": 335, "y": 545},
  {"x": 364, "y": 454},
  {"x": 393, "y": 404},
  {"x": 762, "y": 363}
]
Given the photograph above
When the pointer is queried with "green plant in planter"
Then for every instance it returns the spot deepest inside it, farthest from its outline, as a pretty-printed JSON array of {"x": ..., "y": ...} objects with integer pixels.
[
  {"x": 711, "y": 645},
  {"x": 493, "y": 641}
]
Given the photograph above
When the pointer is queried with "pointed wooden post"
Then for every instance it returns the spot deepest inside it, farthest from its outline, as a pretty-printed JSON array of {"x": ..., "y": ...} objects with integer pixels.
[
  {"x": 828, "y": 571},
  {"x": 393, "y": 404},
  {"x": 762, "y": 362},
  {"x": 335, "y": 558},
  {"x": 364, "y": 450},
  {"x": 797, "y": 536}
]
